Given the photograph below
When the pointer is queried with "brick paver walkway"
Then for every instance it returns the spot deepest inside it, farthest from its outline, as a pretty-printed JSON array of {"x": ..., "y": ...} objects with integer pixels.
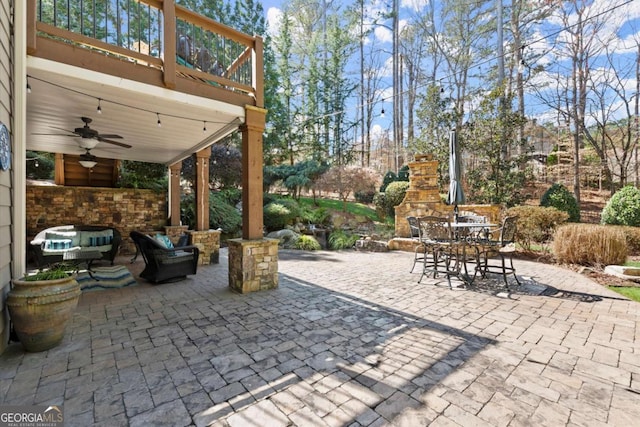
[{"x": 348, "y": 339}]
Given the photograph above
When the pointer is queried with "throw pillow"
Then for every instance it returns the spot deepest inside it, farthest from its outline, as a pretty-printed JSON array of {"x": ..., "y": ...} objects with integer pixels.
[
  {"x": 63, "y": 235},
  {"x": 164, "y": 240},
  {"x": 96, "y": 238}
]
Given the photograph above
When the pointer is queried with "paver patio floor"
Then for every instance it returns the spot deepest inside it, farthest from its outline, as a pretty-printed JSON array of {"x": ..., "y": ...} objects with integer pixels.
[{"x": 348, "y": 339}]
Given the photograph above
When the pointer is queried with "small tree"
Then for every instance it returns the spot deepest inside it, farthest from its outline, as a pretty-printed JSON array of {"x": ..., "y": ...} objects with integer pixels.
[{"x": 346, "y": 180}]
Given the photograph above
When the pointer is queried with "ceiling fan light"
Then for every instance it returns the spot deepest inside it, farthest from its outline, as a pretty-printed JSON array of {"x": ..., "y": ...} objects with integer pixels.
[
  {"x": 88, "y": 143},
  {"x": 88, "y": 163}
]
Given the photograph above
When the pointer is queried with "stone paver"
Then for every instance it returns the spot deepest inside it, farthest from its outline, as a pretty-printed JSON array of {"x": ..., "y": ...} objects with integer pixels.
[{"x": 348, "y": 339}]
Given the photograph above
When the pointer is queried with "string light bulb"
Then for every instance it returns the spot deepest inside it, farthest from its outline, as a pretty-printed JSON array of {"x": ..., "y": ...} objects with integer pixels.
[
  {"x": 159, "y": 122},
  {"x": 204, "y": 126},
  {"x": 99, "y": 109},
  {"x": 28, "y": 86},
  {"x": 382, "y": 110}
]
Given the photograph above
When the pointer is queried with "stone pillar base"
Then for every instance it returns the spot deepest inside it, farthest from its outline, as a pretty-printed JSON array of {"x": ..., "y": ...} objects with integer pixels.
[
  {"x": 253, "y": 265},
  {"x": 208, "y": 242},
  {"x": 175, "y": 231}
]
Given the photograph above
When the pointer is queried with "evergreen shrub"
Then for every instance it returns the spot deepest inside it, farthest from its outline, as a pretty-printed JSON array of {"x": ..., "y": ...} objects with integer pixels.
[
  {"x": 559, "y": 197},
  {"x": 623, "y": 208},
  {"x": 380, "y": 203},
  {"x": 395, "y": 195},
  {"x": 277, "y": 216}
]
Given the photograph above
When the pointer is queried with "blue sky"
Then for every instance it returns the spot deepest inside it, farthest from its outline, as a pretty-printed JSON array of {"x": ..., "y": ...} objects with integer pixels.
[{"x": 624, "y": 42}]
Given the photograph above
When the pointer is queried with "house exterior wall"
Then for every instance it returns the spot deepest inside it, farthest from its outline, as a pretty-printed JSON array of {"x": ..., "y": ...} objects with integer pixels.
[{"x": 6, "y": 102}]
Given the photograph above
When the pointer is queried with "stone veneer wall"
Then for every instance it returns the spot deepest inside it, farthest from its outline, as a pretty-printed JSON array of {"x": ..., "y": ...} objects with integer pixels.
[
  {"x": 125, "y": 209},
  {"x": 423, "y": 198}
]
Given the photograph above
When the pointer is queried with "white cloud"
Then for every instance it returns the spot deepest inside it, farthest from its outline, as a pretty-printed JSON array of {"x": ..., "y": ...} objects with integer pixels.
[
  {"x": 383, "y": 34},
  {"x": 274, "y": 19},
  {"x": 415, "y": 5}
]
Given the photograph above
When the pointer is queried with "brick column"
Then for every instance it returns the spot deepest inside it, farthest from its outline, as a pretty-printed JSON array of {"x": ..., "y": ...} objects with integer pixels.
[
  {"x": 208, "y": 242},
  {"x": 253, "y": 265}
]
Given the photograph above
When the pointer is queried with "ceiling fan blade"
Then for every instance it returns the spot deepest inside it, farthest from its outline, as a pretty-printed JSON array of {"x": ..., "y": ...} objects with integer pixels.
[
  {"x": 72, "y": 135},
  {"x": 121, "y": 144},
  {"x": 109, "y": 136},
  {"x": 62, "y": 129}
]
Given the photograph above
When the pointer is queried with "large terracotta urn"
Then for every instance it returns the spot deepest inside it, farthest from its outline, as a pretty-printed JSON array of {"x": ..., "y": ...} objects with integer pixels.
[{"x": 40, "y": 310}]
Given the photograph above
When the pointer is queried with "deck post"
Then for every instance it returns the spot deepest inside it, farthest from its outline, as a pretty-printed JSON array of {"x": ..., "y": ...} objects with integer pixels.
[
  {"x": 174, "y": 193},
  {"x": 202, "y": 189}
]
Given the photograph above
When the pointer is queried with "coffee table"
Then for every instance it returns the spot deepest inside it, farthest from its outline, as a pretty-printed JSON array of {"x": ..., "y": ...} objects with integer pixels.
[{"x": 77, "y": 258}]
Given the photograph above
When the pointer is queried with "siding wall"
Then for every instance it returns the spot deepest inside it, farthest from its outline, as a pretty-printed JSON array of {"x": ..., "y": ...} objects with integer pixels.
[{"x": 6, "y": 102}]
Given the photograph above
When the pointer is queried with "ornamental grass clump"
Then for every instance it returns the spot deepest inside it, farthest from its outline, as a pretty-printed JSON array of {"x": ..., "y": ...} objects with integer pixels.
[
  {"x": 340, "y": 239},
  {"x": 308, "y": 243},
  {"x": 590, "y": 245}
]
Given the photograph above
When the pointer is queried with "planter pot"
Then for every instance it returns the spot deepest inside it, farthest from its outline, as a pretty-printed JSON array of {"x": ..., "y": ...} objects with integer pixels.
[{"x": 40, "y": 310}]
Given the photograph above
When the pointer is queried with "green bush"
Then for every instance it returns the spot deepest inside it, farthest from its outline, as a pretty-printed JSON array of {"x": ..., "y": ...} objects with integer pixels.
[
  {"x": 318, "y": 216},
  {"x": 307, "y": 243},
  {"x": 365, "y": 196},
  {"x": 232, "y": 196},
  {"x": 403, "y": 173},
  {"x": 395, "y": 195},
  {"x": 277, "y": 216},
  {"x": 623, "y": 208},
  {"x": 340, "y": 239},
  {"x": 380, "y": 203},
  {"x": 559, "y": 197},
  {"x": 223, "y": 215},
  {"x": 389, "y": 177},
  {"x": 536, "y": 224},
  {"x": 590, "y": 245}
]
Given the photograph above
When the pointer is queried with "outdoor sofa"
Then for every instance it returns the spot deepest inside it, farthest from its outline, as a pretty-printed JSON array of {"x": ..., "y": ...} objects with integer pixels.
[{"x": 49, "y": 245}]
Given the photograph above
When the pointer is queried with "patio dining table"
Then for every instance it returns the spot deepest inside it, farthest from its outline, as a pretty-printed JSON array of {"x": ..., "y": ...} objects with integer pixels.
[{"x": 471, "y": 246}]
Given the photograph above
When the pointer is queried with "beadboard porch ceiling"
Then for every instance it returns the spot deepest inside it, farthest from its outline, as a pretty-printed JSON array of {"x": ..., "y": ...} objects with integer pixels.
[{"x": 61, "y": 94}]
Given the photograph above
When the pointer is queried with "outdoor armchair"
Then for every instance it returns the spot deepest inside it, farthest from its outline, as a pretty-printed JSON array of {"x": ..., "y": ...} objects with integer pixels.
[{"x": 164, "y": 264}]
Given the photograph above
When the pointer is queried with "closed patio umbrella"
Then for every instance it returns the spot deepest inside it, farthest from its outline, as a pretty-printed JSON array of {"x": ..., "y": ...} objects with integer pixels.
[{"x": 456, "y": 195}]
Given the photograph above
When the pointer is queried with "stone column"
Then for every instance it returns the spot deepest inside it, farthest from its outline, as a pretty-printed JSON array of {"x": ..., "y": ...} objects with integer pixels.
[
  {"x": 174, "y": 232},
  {"x": 253, "y": 260},
  {"x": 208, "y": 241},
  {"x": 253, "y": 265}
]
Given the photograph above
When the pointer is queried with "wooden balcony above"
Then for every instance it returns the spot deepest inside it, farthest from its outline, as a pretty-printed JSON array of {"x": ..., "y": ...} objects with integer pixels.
[
  {"x": 144, "y": 62},
  {"x": 155, "y": 42}
]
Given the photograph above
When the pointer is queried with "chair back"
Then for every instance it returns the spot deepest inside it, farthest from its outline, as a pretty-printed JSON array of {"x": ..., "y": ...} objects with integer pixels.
[
  {"x": 434, "y": 229},
  {"x": 414, "y": 228},
  {"x": 508, "y": 231},
  {"x": 146, "y": 244}
]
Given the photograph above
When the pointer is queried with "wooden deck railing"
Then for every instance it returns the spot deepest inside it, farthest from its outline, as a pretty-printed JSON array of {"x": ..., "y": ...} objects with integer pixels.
[{"x": 157, "y": 34}]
